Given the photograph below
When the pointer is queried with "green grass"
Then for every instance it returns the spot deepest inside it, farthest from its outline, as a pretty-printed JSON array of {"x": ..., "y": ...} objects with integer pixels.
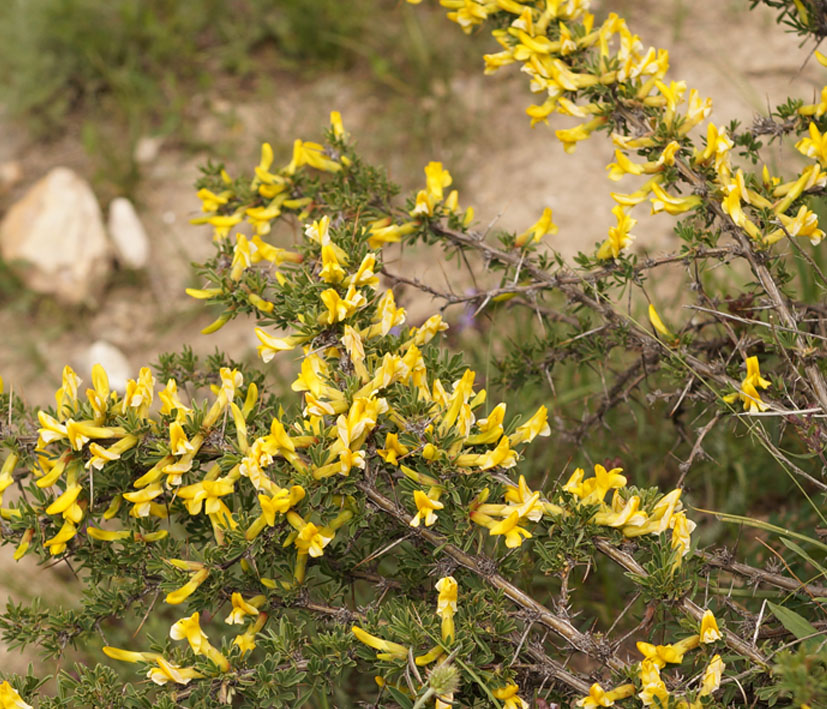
[{"x": 107, "y": 72}]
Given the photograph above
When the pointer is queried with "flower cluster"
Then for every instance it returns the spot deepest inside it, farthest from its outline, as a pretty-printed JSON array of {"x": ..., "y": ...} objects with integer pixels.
[
  {"x": 653, "y": 691},
  {"x": 582, "y": 68}
]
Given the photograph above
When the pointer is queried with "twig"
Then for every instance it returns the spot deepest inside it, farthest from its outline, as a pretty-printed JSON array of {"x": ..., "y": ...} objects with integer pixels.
[
  {"x": 486, "y": 569},
  {"x": 629, "y": 563}
]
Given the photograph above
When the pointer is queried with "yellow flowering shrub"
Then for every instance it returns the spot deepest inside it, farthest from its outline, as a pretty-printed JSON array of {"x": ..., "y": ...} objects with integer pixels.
[{"x": 376, "y": 532}]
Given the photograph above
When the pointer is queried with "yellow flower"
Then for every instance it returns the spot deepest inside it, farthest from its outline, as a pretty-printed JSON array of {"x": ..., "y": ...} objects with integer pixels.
[
  {"x": 569, "y": 137},
  {"x": 139, "y": 394},
  {"x": 246, "y": 641},
  {"x": 336, "y": 124},
  {"x": 210, "y": 201},
  {"x": 312, "y": 154},
  {"x": 426, "y": 509},
  {"x": 67, "y": 396},
  {"x": 816, "y": 109},
  {"x": 190, "y": 629},
  {"x": 468, "y": 13},
  {"x": 528, "y": 502},
  {"x": 179, "y": 444},
  {"x": 636, "y": 197},
  {"x": 657, "y": 323},
  {"x": 673, "y": 95},
  {"x": 57, "y": 543},
  {"x": 619, "y": 237},
  {"x": 331, "y": 271},
  {"x": 81, "y": 432},
  {"x": 280, "y": 502},
  {"x": 681, "y": 530},
  {"x": 593, "y": 490},
  {"x": 537, "y": 425},
  {"x": 698, "y": 111},
  {"x": 168, "y": 672},
  {"x": 129, "y": 655},
  {"x": 501, "y": 456},
  {"x": 142, "y": 499},
  {"x": 598, "y": 697},
  {"x": 101, "y": 456},
  {"x": 23, "y": 547},
  {"x": 749, "y": 392},
  {"x": 804, "y": 223},
  {"x": 628, "y": 515},
  {"x": 664, "y": 202},
  {"x": 543, "y": 226},
  {"x": 339, "y": 308},
  {"x": 388, "y": 650},
  {"x": 106, "y": 535},
  {"x": 718, "y": 146},
  {"x": 659, "y": 655},
  {"x": 815, "y": 146},
  {"x": 712, "y": 676},
  {"x": 311, "y": 539},
  {"x": 241, "y": 257},
  {"x": 623, "y": 166},
  {"x": 709, "y": 628},
  {"x": 222, "y": 224},
  {"x": 447, "y": 606},
  {"x": 514, "y": 534},
  {"x": 490, "y": 428},
  {"x": 271, "y": 345},
  {"x": 660, "y": 519},
  {"x": 387, "y": 316},
  {"x": 182, "y": 594},
  {"x": 654, "y": 690},
  {"x": 364, "y": 275},
  {"x": 447, "y": 601},
  {"x": 392, "y": 450},
  {"x": 10, "y": 699},
  {"x": 242, "y": 608},
  {"x": 509, "y": 694},
  {"x": 436, "y": 178},
  {"x": 98, "y": 396},
  {"x": 423, "y": 334},
  {"x": 384, "y": 231}
]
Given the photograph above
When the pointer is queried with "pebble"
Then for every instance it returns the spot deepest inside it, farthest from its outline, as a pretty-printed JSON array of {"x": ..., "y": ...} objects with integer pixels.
[{"x": 127, "y": 234}]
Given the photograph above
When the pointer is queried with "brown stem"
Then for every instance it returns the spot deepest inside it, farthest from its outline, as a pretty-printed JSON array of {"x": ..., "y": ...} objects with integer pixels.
[
  {"x": 628, "y": 562},
  {"x": 486, "y": 569}
]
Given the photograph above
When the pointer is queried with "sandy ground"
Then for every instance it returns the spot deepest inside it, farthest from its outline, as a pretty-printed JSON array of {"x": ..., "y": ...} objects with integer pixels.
[{"x": 507, "y": 170}]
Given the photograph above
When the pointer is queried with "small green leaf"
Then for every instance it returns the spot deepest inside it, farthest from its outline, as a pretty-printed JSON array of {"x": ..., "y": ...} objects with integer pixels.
[{"x": 804, "y": 555}]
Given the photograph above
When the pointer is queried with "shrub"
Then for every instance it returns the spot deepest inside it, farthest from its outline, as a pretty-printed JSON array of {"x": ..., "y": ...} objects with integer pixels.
[{"x": 373, "y": 520}]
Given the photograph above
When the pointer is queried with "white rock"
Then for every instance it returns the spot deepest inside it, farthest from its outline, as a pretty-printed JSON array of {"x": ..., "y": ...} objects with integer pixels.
[
  {"x": 147, "y": 148},
  {"x": 128, "y": 234},
  {"x": 111, "y": 359},
  {"x": 54, "y": 237}
]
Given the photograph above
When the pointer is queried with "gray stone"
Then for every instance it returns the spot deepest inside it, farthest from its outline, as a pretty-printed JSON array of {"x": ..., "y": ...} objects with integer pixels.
[
  {"x": 127, "y": 234},
  {"x": 54, "y": 238}
]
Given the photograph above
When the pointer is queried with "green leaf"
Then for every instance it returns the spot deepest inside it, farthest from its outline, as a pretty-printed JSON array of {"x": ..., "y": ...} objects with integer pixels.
[
  {"x": 403, "y": 700},
  {"x": 804, "y": 555},
  {"x": 792, "y": 621}
]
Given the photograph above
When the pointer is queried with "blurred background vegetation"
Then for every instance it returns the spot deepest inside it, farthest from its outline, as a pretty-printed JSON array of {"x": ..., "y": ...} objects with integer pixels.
[{"x": 112, "y": 72}]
